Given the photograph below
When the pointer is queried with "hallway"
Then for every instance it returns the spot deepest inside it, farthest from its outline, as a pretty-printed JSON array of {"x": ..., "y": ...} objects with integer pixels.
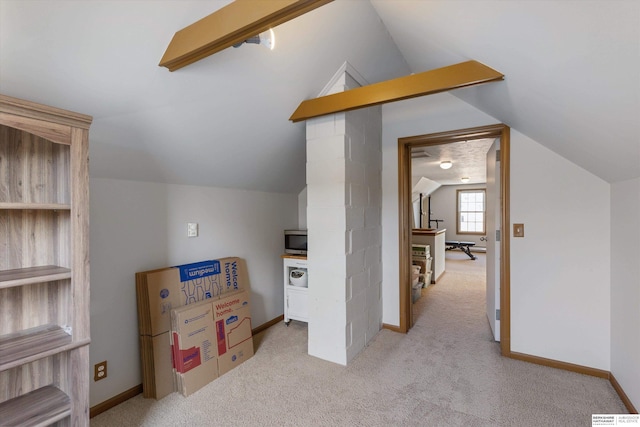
[{"x": 466, "y": 373}]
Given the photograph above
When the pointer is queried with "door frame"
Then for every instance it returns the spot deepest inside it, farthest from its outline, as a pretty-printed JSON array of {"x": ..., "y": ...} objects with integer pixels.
[{"x": 405, "y": 145}]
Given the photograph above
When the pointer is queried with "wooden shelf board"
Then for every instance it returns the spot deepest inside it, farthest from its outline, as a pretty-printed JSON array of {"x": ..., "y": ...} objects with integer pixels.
[
  {"x": 28, "y": 276},
  {"x": 31, "y": 344},
  {"x": 56, "y": 350},
  {"x": 36, "y": 206},
  {"x": 41, "y": 407}
]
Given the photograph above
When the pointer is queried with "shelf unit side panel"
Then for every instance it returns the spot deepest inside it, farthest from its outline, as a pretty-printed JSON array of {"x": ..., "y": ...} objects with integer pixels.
[
  {"x": 34, "y": 170},
  {"x": 78, "y": 385},
  {"x": 79, "y": 250}
]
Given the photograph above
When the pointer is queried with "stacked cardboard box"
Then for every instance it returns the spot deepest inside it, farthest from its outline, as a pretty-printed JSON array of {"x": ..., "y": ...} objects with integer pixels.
[
  {"x": 158, "y": 292},
  {"x": 209, "y": 339},
  {"x": 234, "y": 340},
  {"x": 195, "y": 362}
]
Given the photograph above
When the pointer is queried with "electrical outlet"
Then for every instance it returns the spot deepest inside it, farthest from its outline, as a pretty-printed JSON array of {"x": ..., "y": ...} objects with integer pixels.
[{"x": 100, "y": 371}]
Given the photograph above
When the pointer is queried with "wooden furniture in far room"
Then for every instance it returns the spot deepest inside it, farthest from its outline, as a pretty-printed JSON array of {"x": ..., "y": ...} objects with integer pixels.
[
  {"x": 44, "y": 265},
  {"x": 435, "y": 239},
  {"x": 296, "y": 298}
]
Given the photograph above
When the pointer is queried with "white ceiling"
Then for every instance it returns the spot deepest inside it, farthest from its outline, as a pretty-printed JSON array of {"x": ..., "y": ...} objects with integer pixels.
[
  {"x": 572, "y": 79},
  {"x": 468, "y": 160}
]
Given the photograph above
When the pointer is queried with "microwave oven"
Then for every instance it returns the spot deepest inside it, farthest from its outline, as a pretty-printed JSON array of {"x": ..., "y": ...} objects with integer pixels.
[{"x": 295, "y": 242}]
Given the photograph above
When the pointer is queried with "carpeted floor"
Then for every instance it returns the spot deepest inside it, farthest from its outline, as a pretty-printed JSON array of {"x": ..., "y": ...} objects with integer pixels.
[{"x": 447, "y": 371}]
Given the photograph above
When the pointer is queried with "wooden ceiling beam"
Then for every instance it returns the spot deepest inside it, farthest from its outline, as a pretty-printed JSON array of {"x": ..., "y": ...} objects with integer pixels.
[
  {"x": 426, "y": 83},
  {"x": 234, "y": 23}
]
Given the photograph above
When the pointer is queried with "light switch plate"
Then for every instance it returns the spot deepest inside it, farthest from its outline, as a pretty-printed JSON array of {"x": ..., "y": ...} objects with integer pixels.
[
  {"x": 192, "y": 229},
  {"x": 518, "y": 230}
]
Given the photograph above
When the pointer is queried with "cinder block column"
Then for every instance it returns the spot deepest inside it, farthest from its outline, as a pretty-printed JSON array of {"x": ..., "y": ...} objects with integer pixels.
[{"x": 344, "y": 199}]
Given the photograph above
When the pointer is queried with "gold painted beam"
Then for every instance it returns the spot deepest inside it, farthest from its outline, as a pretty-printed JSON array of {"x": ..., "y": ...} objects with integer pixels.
[
  {"x": 229, "y": 25},
  {"x": 426, "y": 83}
]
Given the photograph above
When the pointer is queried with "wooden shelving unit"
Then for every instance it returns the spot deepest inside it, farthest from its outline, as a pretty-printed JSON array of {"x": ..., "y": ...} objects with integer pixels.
[{"x": 44, "y": 265}]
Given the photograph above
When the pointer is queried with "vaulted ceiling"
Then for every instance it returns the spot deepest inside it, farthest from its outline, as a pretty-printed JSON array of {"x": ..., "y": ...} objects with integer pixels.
[{"x": 572, "y": 79}]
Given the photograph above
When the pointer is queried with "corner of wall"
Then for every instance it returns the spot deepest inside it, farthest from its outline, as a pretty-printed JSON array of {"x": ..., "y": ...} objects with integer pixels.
[
  {"x": 625, "y": 287},
  {"x": 302, "y": 209}
]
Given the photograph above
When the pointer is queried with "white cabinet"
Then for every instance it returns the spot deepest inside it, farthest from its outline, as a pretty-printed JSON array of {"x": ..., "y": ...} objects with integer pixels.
[
  {"x": 297, "y": 307},
  {"x": 296, "y": 298}
]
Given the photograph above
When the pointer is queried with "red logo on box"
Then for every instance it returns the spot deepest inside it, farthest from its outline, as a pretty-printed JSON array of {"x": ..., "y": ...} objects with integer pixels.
[
  {"x": 222, "y": 342},
  {"x": 185, "y": 360}
]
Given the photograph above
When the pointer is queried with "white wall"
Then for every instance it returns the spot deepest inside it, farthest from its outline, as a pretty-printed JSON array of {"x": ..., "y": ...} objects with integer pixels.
[
  {"x": 137, "y": 226},
  {"x": 343, "y": 218},
  {"x": 247, "y": 224},
  {"x": 625, "y": 287},
  {"x": 344, "y": 198},
  {"x": 128, "y": 222},
  {"x": 302, "y": 209},
  {"x": 327, "y": 195},
  {"x": 559, "y": 271},
  {"x": 364, "y": 229}
]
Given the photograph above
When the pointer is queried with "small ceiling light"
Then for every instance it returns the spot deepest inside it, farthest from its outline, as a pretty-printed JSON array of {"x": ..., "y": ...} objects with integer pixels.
[
  {"x": 267, "y": 39},
  {"x": 446, "y": 164},
  {"x": 464, "y": 179}
]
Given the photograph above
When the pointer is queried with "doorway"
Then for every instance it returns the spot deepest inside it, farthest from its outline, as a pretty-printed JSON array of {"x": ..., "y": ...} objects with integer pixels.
[{"x": 405, "y": 146}]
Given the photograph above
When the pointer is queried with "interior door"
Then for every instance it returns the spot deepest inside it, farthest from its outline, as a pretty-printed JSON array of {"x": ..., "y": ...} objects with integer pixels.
[{"x": 493, "y": 225}]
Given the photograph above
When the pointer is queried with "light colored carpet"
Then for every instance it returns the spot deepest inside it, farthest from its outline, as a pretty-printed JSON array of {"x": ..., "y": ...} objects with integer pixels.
[{"x": 447, "y": 371}]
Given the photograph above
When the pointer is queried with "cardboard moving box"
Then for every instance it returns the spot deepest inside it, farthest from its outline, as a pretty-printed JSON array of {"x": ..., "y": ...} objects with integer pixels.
[
  {"x": 195, "y": 360},
  {"x": 161, "y": 290},
  {"x": 210, "y": 338},
  {"x": 232, "y": 315},
  {"x": 155, "y": 353}
]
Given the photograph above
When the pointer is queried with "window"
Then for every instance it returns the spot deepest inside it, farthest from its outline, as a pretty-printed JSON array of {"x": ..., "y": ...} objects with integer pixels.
[{"x": 471, "y": 212}]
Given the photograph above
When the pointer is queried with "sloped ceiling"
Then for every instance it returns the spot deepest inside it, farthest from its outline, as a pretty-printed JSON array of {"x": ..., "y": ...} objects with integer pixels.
[
  {"x": 222, "y": 121},
  {"x": 572, "y": 69},
  {"x": 572, "y": 79}
]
